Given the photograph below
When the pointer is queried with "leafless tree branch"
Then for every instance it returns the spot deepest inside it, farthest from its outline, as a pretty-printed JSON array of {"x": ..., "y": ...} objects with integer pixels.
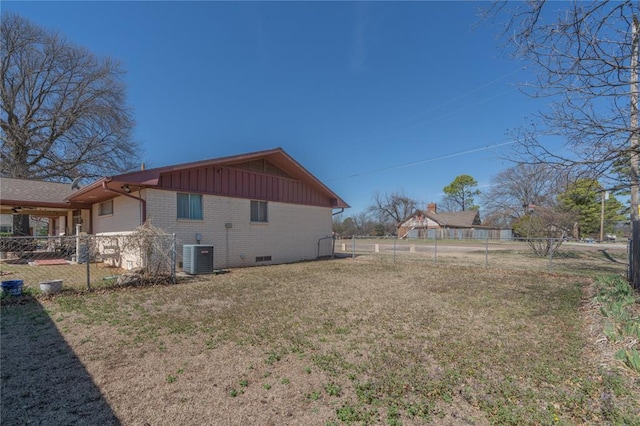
[
  {"x": 582, "y": 55},
  {"x": 63, "y": 110},
  {"x": 396, "y": 207}
]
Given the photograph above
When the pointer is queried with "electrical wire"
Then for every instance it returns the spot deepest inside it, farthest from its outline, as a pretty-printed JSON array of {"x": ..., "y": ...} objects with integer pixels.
[{"x": 427, "y": 160}]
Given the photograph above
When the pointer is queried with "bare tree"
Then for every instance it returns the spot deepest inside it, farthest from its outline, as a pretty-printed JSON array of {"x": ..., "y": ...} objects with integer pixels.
[
  {"x": 364, "y": 224},
  {"x": 63, "y": 111},
  {"x": 447, "y": 204},
  {"x": 586, "y": 56},
  {"x": 544, "y": 228},
  {"x": 517, "y": 189},
  {"x": 356, "y": 224},
  {"x": 396, "y": 207},
  {"x": 336, "y": 224}
]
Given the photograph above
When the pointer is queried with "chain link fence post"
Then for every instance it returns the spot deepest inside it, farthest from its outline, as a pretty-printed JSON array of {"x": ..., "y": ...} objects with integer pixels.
[
  {"x": 486, "y": 253},
  {"x": 83, "y": 254},
  {"x": 435, "y": 249},
  {"x": 395, "y": 243},
  {"x": 353, "y": 246},
  {"x": 88, "y": 261},
  {"x": 634, "y": 255},
  {"x": 173, "y": 258}
]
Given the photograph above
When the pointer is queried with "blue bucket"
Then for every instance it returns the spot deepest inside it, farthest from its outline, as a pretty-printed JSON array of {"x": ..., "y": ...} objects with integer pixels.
[{"x": 12, "y": 287}]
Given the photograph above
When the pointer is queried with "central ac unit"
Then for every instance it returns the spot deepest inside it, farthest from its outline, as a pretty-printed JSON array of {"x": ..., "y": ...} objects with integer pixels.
[{"x": 197, "y": 259}]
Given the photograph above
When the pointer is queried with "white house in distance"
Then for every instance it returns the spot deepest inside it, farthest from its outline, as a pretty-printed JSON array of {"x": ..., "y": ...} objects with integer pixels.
[{"x": 255, "y": 208}]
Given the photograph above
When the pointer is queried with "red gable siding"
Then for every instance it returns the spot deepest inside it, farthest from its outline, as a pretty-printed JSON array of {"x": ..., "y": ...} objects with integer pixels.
[{"x": 243, "y": 183}]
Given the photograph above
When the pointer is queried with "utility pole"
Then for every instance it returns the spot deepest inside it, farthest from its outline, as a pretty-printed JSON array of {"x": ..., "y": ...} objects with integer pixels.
[
  {"x": 634, "y": 248},
  {"x": 634, "y": 123},
  {"x": 603, "y": 195}
]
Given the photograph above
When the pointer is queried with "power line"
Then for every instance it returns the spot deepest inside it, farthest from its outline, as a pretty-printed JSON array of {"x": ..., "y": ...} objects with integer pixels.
[
  {"x": 446, "y": 103},
  {"x": 417, "y": 115},
  {"x": 426, "y": 160}
]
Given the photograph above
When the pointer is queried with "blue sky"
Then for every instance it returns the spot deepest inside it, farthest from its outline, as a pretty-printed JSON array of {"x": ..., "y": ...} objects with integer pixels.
[{"x": 380, "y": 96}]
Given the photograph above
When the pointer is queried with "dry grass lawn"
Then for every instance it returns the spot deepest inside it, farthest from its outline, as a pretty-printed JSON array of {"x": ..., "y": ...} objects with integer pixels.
[{"x": 352, "y": 341}]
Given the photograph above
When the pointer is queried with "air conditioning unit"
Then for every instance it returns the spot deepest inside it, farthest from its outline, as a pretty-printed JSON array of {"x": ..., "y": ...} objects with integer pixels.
[{"x": 197, "y": 259}]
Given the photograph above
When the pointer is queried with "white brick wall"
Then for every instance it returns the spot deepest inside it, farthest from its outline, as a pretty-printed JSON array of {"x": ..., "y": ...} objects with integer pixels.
[
  {"x": 126, "y": 216},
  {"x": 291, "y": 235}
]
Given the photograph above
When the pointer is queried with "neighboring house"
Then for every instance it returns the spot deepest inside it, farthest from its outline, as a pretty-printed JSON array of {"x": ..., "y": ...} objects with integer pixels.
[
  {"x": 44, "y": 202},
  {"x": 423, "y": 224},
  {"x": 255, "y": 208}
]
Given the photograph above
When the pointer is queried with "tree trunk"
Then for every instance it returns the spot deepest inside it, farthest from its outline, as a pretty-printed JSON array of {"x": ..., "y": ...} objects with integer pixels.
[{"x": 21, "y": 225}]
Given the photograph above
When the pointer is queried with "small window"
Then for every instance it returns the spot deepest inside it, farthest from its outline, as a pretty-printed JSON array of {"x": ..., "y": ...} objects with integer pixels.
[
  {"x": 190, "y": 206},
  {"x": 259, "y": 211},
  {"x": 106, "y": 208}
]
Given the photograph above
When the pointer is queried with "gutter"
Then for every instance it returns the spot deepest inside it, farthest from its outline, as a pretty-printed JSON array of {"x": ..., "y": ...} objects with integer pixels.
[{"x": 143, "y": 202}]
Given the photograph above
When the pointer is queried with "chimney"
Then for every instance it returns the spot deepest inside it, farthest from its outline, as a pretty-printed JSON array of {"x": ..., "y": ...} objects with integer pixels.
[
  {"x": 142, "y": 166},
  {"x": 432, "y": 208}
]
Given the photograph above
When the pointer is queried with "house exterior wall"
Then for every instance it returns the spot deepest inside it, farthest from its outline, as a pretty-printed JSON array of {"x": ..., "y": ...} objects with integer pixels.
[
  {"x": 291, "y": 234},
  {"x": 126, "y": 216},
  {"x": 242, "y": 183},
  {"x": 85, "y": 221},
  {"x": 415, "y": 228}
]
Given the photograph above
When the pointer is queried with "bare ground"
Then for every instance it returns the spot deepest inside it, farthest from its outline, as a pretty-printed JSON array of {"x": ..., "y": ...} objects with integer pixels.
[{"x": 364, "y": 341}]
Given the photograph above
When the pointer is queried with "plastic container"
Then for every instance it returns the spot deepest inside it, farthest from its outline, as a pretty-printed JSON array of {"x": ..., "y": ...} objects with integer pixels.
[
  {"x": 50, "y": 287},
  {"x": 12, "y": 287}
]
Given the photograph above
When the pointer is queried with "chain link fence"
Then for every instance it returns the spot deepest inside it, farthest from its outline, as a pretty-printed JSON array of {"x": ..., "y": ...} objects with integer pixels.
[
  {"x": 87, "y": 262},
  {"x": 144, "y": 256},
  {"x": 543, "y": 254}
]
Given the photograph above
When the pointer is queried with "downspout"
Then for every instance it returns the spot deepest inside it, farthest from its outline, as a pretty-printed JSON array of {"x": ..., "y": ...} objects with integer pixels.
[
  {"x": 143, "y": 202},
  {"x": 336, "y": 213}
]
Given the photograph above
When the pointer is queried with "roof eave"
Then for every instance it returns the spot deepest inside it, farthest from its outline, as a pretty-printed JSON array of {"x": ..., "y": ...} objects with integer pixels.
[
  {"x": 151, "y": 177},
  {"x": 27, "y": 203}
]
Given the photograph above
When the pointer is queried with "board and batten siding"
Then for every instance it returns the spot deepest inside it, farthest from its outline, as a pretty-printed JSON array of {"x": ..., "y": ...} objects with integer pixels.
[
  {"x": 238, "y": 182},
  {"x": 291, "y": 234}
]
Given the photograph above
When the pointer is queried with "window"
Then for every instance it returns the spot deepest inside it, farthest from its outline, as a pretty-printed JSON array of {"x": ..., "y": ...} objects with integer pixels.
[
  {"x": 106, "y": 208},
  {"x": 259, "y": 211},
  {"x": 190, "y": 206}
]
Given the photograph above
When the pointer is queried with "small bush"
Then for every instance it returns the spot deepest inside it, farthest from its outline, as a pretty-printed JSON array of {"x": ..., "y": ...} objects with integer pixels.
[{"x": 617, "y": 299}]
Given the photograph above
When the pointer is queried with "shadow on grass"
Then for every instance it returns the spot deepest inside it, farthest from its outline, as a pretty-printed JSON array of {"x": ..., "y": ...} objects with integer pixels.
[
  {"x": 566, "y": 254},
  {"x": 43, "y": 381},
  {"x": 607, "y": 256}
]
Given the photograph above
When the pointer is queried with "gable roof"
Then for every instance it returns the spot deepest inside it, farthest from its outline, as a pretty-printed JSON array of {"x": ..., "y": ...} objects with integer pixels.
[
  {"x": 464, "y": 219},
  {"x": 34, "y": 193},
  {"x": 276, "y": 160}
]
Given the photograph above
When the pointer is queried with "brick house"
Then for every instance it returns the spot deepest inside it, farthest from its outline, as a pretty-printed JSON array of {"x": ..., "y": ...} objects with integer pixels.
[
  {"x": 421, "y": 222},
  {"x": 255, "y": 208}
]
